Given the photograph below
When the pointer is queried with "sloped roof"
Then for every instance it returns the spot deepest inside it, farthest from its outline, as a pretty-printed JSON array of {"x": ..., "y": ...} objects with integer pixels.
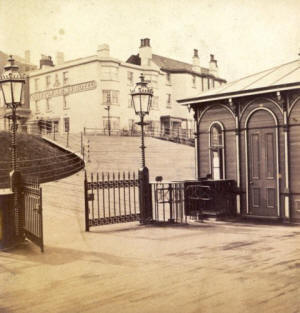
[
  {"x": 171, "y": 65},
  {"x": 134, "y": 59},
  {"x": 163, "y": 63},
  {"x": 285, "y": 76}
]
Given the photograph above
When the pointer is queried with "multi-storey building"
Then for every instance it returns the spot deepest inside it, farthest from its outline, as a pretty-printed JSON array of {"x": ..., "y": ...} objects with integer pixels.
[{"x": 76, "y": 94}]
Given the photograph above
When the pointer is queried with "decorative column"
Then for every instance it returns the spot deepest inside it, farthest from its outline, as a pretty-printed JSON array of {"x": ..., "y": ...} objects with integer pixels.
[
  {"x": 235, "y": 109},
  {"x": 283, "y": 101},
  {"x": 197, "y": 141}
]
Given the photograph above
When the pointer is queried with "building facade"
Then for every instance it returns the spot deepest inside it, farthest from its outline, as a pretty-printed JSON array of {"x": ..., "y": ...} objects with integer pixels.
[
  {"x": 76, "y": 94},
  {"x": 248, "y": 131}
]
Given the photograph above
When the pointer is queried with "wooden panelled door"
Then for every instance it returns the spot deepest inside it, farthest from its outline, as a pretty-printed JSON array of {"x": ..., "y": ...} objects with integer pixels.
[{"x": 262, "y": 165}]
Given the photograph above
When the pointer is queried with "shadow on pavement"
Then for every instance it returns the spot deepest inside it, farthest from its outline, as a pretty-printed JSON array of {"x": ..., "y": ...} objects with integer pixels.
[{"x": 60, "y": 255}]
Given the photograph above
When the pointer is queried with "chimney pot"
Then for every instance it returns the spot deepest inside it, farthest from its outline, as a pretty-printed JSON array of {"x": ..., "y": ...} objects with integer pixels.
[
  {"x": 196, "y": 62},
  {"x": 145, "y": 52},
  {"x": 213, "y": 65},
  {"x": 147, "y": 42}
]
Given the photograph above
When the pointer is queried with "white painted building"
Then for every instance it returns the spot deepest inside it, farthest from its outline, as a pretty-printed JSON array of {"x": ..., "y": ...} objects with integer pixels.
[{"x": 75, "y": 94}]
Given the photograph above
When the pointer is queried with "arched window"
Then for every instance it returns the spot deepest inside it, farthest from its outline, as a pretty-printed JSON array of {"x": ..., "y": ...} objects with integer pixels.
[{"x": 216, "y": 151}]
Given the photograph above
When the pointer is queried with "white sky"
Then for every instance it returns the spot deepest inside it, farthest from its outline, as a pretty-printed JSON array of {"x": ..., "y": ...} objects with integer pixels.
[{"x": 246, "y": 36}]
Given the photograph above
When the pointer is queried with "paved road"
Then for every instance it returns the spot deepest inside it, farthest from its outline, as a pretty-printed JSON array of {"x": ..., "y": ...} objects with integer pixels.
[
  {"x": 211, "y": 267},
  {"x": 204, "y": 267}
]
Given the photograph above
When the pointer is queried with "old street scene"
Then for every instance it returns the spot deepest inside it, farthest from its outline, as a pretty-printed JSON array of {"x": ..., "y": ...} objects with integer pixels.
[{"x": 149, "y": 156}]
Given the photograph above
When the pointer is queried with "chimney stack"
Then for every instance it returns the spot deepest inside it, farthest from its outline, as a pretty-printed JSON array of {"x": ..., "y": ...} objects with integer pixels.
[
  {"x": 196, "y": 62},
  {"x": 60, "y": 58},
  {"x": 213, "y": 65},
  {"x": 145, "y": 52},
  {"x": 46, "y": 61},
  {"x": 103, "y": 51}
]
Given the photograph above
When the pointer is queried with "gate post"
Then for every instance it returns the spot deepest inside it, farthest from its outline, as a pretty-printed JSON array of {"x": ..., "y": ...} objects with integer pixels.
[
  {"x": 86, "y": 204},
  {"x": 170, "y": 189},
  {"x": 145, "y": 196},
  {"x": 16, "y": 186}
]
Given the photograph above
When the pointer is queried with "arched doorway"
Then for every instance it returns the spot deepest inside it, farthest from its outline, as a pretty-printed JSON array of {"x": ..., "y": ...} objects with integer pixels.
[{"x": 262, "y": 185}]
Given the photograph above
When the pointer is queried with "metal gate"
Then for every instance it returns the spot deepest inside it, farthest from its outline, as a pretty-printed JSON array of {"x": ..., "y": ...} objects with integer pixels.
[
  {"x": 33, "y": 212},
  {"x": 169, "y": 203},
  {"x": 111, "y": 198}
]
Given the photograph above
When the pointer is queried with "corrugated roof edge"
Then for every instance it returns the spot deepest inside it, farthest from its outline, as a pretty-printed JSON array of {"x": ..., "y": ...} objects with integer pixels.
[
  {"x": 218, "y": 95},
  {"x": 241, "y": 93}
]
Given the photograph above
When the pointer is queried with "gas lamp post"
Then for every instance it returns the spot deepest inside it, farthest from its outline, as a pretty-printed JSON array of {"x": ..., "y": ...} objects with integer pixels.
[
  {"x": 12, "y": 83},
  {"x": 141, "y": 101}
]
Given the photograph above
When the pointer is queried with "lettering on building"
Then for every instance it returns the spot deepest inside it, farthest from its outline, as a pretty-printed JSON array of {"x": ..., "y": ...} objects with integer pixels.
[{"x": 64, "y": 91}]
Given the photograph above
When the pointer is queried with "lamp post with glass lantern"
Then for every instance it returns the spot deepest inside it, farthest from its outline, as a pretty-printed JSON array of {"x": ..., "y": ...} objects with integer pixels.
[
  {"x": 141, "y": 101},
  {"x": 12, "y": 83}
]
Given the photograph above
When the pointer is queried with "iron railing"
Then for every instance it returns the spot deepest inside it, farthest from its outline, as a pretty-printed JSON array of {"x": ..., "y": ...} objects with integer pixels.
[
  {"x": 33, "y": 212},
  {"x": 111, "y": 198},
  {"x": 183, "y": 136}
]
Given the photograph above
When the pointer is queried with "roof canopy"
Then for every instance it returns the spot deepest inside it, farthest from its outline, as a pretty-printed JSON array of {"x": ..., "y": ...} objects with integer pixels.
[{"x": 282, "y": 77}]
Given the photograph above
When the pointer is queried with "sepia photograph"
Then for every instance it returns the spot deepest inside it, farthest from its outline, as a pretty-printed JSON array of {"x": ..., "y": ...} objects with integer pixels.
[{"x": 149, "y": 156}]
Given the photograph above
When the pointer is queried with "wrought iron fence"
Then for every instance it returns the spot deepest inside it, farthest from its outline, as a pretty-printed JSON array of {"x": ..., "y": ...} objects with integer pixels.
[
  {"x": 33, "y": 211},
  {"x": 111, "y": 198},
  {"x": 182, "y": 136}
]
